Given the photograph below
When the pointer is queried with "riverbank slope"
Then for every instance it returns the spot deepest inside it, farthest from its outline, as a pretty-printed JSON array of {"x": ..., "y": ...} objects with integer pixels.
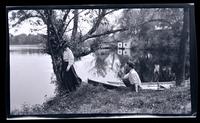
[{"x": 97, "y": 99}]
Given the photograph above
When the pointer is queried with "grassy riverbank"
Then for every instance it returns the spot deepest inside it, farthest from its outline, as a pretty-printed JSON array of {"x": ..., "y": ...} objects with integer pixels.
[{"x": 97, "y": 99}]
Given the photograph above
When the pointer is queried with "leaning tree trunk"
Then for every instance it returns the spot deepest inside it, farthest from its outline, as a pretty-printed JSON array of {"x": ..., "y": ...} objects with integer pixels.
[
  {"x": 182, "y": 49},
  {"x": 55, "y": 50}
]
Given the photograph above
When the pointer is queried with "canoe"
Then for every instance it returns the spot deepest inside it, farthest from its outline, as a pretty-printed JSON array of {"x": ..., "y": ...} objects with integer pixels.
[
  {"x": 144, "y": 86},
  {"x": 108, "y": 85}
]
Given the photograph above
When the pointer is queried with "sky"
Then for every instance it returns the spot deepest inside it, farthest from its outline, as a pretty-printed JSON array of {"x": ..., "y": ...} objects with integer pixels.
[{"x": 25, "y": 27}]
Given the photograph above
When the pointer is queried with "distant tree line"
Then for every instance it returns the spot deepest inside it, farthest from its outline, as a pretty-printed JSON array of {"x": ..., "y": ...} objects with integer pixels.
[{"x": 24, "y": 39}]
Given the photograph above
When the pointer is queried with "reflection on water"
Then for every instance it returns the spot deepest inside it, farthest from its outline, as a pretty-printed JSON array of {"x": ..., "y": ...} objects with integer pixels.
[
  {"x": 31, "y": 72},
  {"x": 102, "y": 65}
]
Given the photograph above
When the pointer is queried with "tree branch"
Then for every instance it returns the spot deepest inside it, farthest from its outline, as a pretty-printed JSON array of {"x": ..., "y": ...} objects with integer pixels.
[
  {"x": 25, "y": 17},
  {"x": 97, "y": 23},
  {"x": 154, "y": 20},
  {"x": 38, "y": 29},
  {"x": 66, "y": 14},
  {"x": 65, "y": 27},
  {"x": 85, "y": 53},
  {"x": 111, "y": 11},
  {"x": 63, "y": 21},
  {"x": 54, "y": 28},
  {"x": 75, "y": 27},
  {"x": 42, "y": 16},
  {"x": 161, "y": 20},
  {"x": 104, "y": 33}
]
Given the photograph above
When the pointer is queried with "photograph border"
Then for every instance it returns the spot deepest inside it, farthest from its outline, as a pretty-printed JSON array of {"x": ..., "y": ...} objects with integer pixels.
[{"x": 193, "y": 58}]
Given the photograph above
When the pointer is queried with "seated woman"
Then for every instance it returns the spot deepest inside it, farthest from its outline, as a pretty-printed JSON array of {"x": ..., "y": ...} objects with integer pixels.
[
  {"x": 69, "y": 76},
  {"x": 132, "y": 79}
]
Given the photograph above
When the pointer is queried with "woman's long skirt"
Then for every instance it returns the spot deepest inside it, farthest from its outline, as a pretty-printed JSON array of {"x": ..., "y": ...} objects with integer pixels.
[{"x": 70, "y": 78}]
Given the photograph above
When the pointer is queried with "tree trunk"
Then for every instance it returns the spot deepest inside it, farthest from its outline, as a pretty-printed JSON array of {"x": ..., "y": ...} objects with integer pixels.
[
  {"x": 182, "y": 49},
  {"x": 56, "y": 50}
]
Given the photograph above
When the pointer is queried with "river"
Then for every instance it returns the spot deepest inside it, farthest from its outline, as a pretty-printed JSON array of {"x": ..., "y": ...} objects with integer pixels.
[{"x": 31, "y": 72}]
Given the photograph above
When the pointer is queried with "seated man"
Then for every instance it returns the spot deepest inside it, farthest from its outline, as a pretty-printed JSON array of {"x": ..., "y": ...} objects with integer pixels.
[{"x": 132, "y": 79}]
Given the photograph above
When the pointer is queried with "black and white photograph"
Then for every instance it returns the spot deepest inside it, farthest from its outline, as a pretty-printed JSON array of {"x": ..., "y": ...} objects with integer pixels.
[{"x": 95, "y": 60}]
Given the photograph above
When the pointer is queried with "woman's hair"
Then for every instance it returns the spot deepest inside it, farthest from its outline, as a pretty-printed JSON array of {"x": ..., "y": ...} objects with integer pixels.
[
  {"x": 130, "y": 64},
  {"x": 64, "y": 44}
]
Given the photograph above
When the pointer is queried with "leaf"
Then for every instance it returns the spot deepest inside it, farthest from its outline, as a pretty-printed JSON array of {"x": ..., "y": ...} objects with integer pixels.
[
  {"x": 38, "y": 22},
  {"x": 87, "y": 13},
  {"x": 15, "y": 30},
  {"x": 13, "y": 15},
  {"x": 91, "y": 16}
]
